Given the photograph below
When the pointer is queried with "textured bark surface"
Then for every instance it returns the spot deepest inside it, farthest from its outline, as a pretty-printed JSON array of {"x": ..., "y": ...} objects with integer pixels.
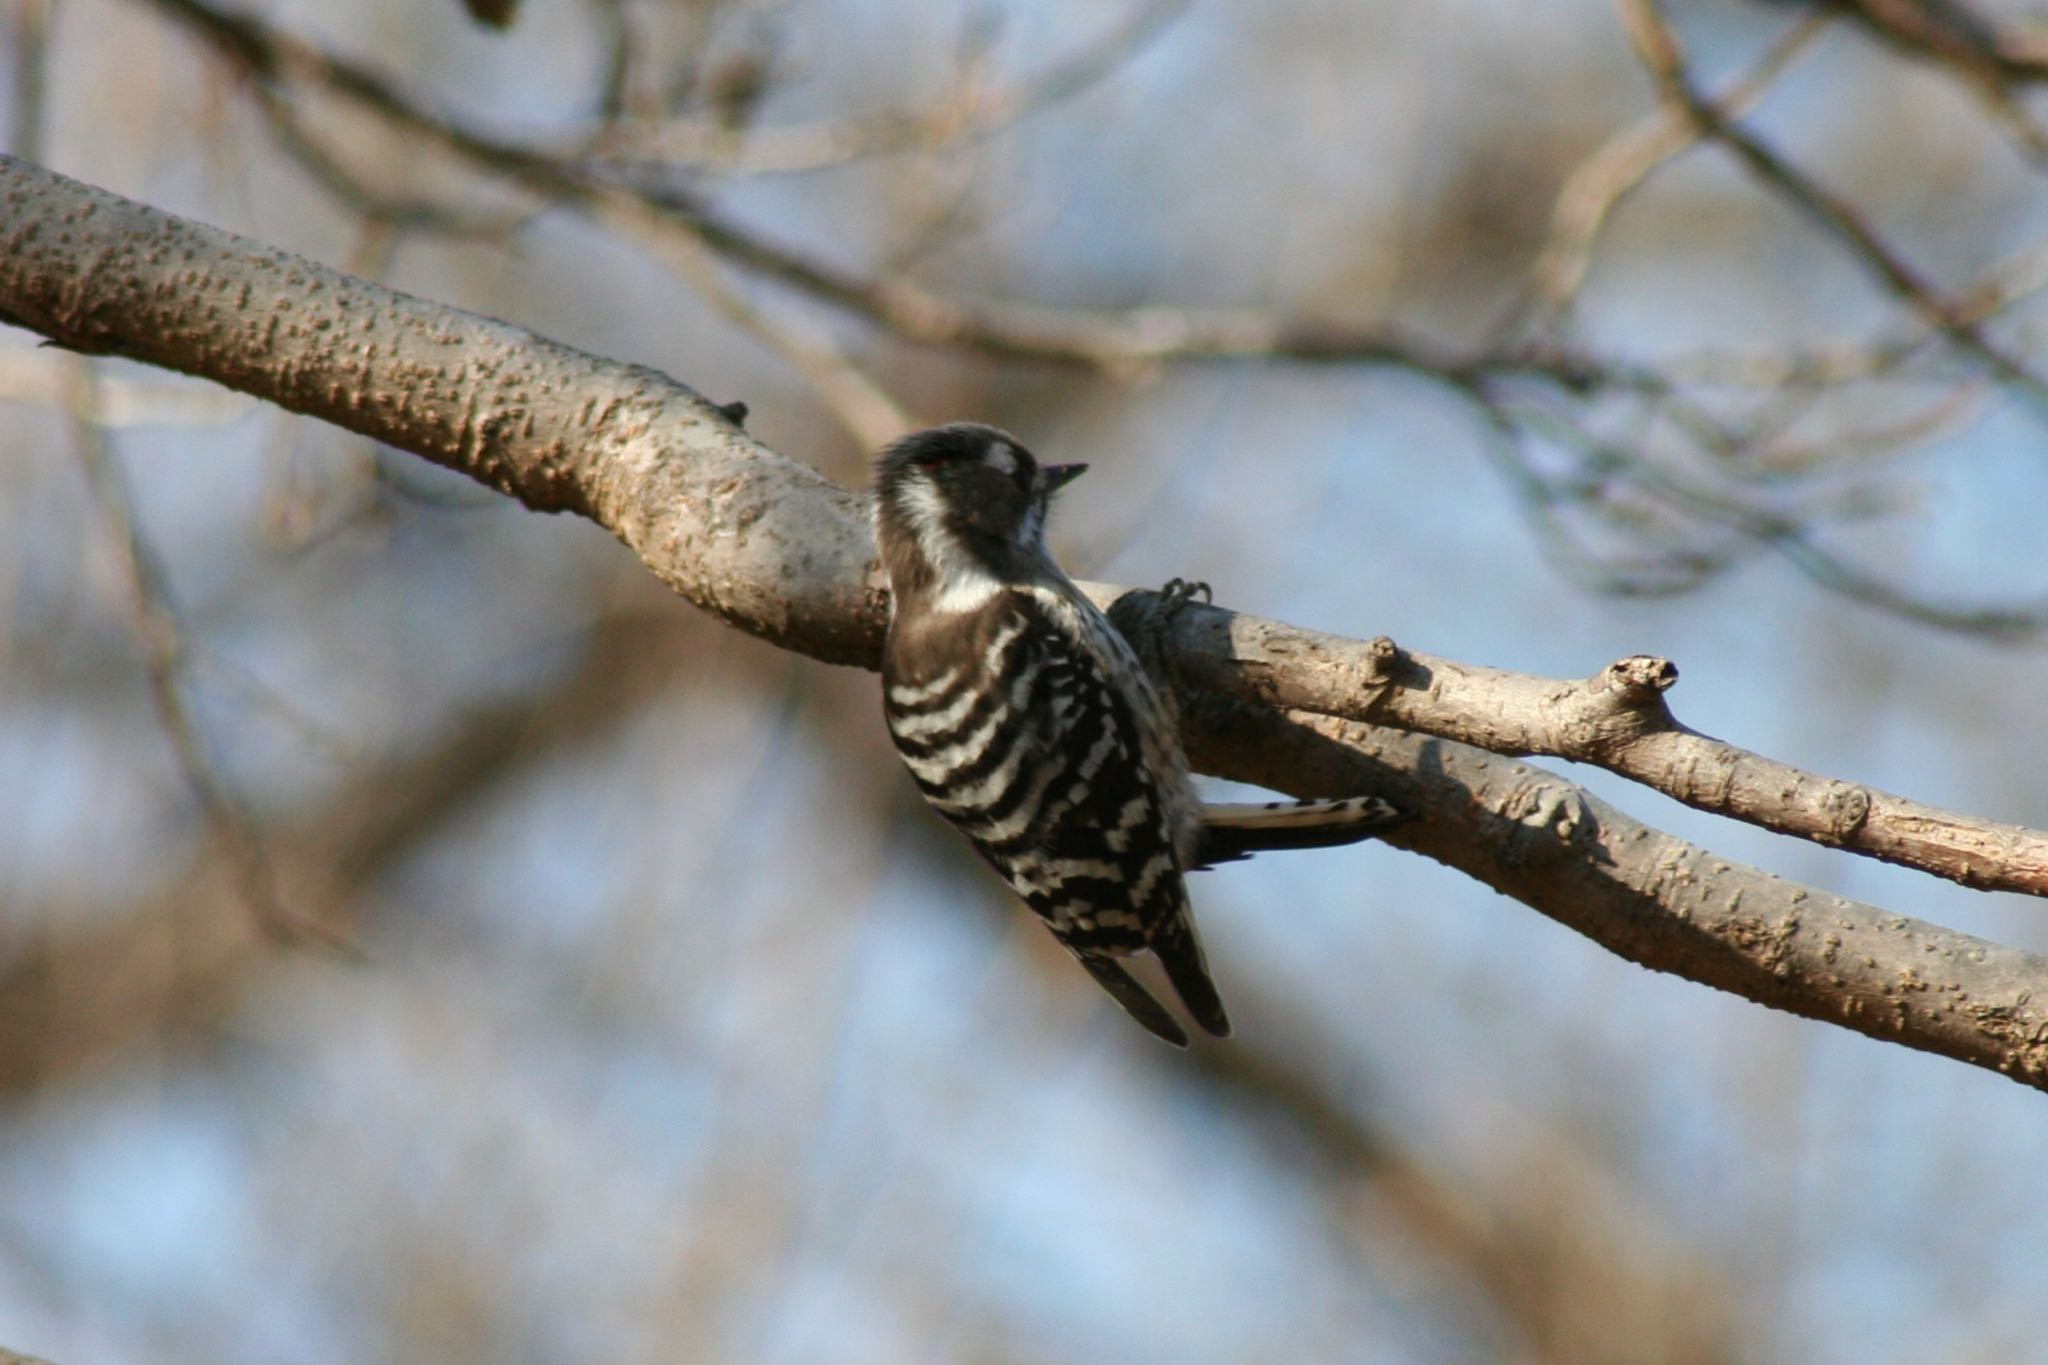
[
  {"x": 1655, "y": 899},
  {"x": 769, "y": 546},
  {"x": 1617, "y": 719}
]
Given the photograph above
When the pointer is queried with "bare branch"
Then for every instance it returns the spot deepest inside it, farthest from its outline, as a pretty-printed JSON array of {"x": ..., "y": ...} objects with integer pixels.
[
  {"x": 683, "y": 230},
  {"x": 769, "y": 546},
  {"x": 1603, "y": 468},
  {"x": 1604, "y": 179},
  {"x": 29, "y": 21},
  {"x": 92, "y": 984},
  {"x": 1661, "y": 1302},
  {"x": 2018, "y": 277},
  {"x": 660, "y": 466},
  {"x": 330, "y": 171},
  {"x": 1131, "y": 341},
  {"x": 1617, "y": 719},
  {"x": 1652, "y": 898},
  {"x": 158, "y": 634},
  {"x": 868, "y": 412},
  {"x": 1119, "y": 341},
  {"x": 960, "y": 118},
  {"x": 1996, "y": 67},
  {"x": 1661, "y": 52},
  {"x": 1951, "y": 32}
]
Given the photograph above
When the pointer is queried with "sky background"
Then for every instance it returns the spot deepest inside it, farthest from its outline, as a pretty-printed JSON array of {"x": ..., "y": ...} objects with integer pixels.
[{"x": 679, "y": 1031}]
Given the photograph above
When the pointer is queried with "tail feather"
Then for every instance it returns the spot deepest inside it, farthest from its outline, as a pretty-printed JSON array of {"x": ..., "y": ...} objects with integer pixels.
[
  {"x": 1180, "y": 953},
  {"x": 1136, "y": 1000},
  {"x": 1233, "y": 830}
]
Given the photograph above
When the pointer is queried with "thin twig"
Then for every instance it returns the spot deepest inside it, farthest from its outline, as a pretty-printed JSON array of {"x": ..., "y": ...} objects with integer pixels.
[
  {"x": 1130, "y": 341},
  {"x": 962, "y": 117},
  {"x": 1791, "y": 537},
  {"x": 1658, "y": 46},
  {"x": 156, "y": 629},
  {"x": 680, "y": 226},
  {"x": 1604, "y": 179},
  {"x": 867, "y": 411},
  {"x": 31, "y": 49}
]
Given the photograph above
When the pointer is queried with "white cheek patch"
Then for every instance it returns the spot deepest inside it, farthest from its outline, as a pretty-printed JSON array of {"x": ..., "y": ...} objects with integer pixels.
[
  {"x": 927, "y": 518},
  {"x": 963, "y": 585},
  {"x": 1000, "y": 456}
]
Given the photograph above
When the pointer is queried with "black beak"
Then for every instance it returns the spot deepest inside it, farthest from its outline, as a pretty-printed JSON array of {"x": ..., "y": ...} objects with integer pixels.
[{"x": 1060, "y": 475}]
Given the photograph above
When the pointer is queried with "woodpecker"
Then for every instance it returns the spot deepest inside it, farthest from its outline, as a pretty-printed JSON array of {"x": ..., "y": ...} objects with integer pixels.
[{"x": 1027, "y": 721}]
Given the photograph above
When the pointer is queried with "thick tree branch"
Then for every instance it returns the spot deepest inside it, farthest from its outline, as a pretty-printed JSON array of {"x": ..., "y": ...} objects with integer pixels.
[
  {"x": 769, "y": 546},
  {"x": 1649, "y": 897},
  {"x": 756, "y": 539}
]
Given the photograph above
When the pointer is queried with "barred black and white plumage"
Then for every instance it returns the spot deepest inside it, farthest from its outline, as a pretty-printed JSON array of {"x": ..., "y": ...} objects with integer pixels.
[{"x": 1026, "y": 720}]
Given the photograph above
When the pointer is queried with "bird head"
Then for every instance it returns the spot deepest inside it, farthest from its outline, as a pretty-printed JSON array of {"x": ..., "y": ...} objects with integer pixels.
[{"x": 963, "y": 498}]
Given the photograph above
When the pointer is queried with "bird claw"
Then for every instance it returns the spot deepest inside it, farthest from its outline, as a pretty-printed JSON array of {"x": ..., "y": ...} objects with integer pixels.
[{"x": 1181, "y": 590}]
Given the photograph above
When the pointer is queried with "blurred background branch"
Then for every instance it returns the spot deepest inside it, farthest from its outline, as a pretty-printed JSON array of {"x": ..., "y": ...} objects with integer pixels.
[{"x": 1666, "y": 517}]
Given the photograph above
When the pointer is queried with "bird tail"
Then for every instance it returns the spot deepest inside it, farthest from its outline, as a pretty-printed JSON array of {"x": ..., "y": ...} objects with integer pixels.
[
  {"x": 1136, "y": 1000},
  {"x": 1232, "y": 830},
  {"x": 1180, "y": 952}
]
